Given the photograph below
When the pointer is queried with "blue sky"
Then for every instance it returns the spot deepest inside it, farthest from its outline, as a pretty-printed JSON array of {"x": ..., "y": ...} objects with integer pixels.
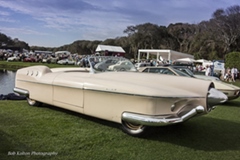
[{"x": 53, "y": 23}]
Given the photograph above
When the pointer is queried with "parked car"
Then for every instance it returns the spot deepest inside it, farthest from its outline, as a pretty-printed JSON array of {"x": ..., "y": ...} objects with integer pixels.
[
  {"x": 14, "y": 58},
  {"x": 142, "y": 64},
  {"x": 122, "y": 65},
  {"x": 29, "y": 59},
  {"x": 231, "y": 91},
  {"x": 104, "y": 64},
  {"x": 201, "y": 76},
  {"x": 66, "y": 61},
  {"x": 49, "y": 60},
  {"x": 135, "y": 100}
]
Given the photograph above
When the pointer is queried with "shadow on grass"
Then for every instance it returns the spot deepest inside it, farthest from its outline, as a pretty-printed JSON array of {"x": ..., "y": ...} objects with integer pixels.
[
  {"x": 8, "y": 144},
  {"x": 86, "y": 117},
  {"x": 233, "y": 103},
  {"x": 201, "y": 133}
]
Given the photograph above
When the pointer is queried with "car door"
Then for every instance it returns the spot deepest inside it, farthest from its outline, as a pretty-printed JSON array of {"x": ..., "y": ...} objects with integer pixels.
[{"x": 68, "y": 91}]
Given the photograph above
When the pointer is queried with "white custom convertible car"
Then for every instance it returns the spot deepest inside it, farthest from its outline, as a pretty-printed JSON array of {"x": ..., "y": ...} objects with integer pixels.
[
  {"x": 231, "y": 91},
  {"x": 135, "y": 100}
]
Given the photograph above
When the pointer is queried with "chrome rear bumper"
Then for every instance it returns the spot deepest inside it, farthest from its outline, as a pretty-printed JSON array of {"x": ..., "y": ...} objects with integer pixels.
[
  {"x": 21, "y": 91},
  {"x": 160, "y": 120}
]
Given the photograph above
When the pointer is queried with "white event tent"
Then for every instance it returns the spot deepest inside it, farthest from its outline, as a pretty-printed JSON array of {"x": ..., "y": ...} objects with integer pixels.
[
  {"x": 186, "y": 60},
  {"x": 204, "y": 62},
  {"x": 169, "y": 55},
  {"x": 108, "y": 48}
]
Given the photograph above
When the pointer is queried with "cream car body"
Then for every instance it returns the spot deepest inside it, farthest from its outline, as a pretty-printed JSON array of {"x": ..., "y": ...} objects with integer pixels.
[{"x": 135, "y": 100}]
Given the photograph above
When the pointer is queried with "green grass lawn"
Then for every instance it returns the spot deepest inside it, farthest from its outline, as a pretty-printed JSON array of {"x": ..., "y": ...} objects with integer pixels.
[
  {"x": 67, "y": 135},
  {"x": 26, "y": 131}
]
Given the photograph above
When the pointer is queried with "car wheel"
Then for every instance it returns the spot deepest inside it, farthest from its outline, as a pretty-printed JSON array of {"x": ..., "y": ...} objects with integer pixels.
[
  {"x": 132, "y": 129},
  {"x": 122, "y": 69},
  {"x": 32, "y": 102}
]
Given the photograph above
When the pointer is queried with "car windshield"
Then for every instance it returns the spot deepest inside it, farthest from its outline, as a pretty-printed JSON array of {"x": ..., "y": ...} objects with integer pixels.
[
  {"x": 110, "y": 63},
  {"x": 188, "y": 71},
  {"x": 181, "y": 73},
  {"x": 184, "y": 70}
]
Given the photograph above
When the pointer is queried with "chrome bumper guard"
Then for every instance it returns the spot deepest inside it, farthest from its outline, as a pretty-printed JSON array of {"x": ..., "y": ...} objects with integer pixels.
[
  {"x": 21, "y": 91},
  {"x": 161, "y": 120}
]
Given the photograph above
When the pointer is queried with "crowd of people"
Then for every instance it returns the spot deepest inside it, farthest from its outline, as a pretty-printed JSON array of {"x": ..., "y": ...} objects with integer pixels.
[{"x": 231, "y": 74}]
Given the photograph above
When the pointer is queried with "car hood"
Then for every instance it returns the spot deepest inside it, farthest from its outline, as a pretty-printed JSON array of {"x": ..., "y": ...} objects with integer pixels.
[
  {"x": 206, "y": 77},
  {"x": 225, "y": 86}
]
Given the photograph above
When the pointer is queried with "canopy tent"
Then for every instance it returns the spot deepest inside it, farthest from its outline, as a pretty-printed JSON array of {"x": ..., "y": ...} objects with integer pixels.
[
  {"x": 169, "y": 55},
  {"x": 203, "y": 61},
  {"x": 112, "y": 50},
  {"x": 186, "y": 60}
]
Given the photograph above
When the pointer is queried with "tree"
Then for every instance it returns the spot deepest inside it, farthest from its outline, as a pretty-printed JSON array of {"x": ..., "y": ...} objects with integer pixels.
[
  {"x": 148, "y": 36},
  {"x": 233, "y": 60},
  {"x": 184, "y": 33},
  {"x": 21, "y": 44},
  {"x": 225, "y": 25},
  {"x": 5, "y": 40}
]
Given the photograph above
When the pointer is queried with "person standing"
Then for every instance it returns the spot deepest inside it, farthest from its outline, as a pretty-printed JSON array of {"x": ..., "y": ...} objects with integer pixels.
[
  {"x": 234, "y": 72},
  {"x": 208, "y": 71}
]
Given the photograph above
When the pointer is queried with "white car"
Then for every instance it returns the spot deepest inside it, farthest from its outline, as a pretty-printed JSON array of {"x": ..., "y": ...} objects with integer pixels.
[
  {"x": 139, "y": 65},
  {"x": 231, "y": 91},
  {"x": 66, "y": 61},
  {"x": 122, "y": 65},
  {"x": 14, "y": 58}
]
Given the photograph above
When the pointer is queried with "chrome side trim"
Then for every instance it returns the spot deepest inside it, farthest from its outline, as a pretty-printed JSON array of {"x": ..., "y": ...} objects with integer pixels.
[
  {"x": 160, "y": 120},
  {"x": 21, "y": 91},
  {"x": 140, "y": 95}
]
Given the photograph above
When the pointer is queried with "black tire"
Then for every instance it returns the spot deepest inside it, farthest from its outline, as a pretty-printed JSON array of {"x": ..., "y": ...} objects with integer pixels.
[
  {"x": 32, "y": 102},
  {"x": 136, "y": 130}
]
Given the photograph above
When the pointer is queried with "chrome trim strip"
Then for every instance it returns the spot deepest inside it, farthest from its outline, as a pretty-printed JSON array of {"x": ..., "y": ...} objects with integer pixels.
[
  {"x": 160, "y": 120},
  {"x": 21, "y": 91},
  {"x": 152, "y": 96},
  {"x": 231, "y": 90}
]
